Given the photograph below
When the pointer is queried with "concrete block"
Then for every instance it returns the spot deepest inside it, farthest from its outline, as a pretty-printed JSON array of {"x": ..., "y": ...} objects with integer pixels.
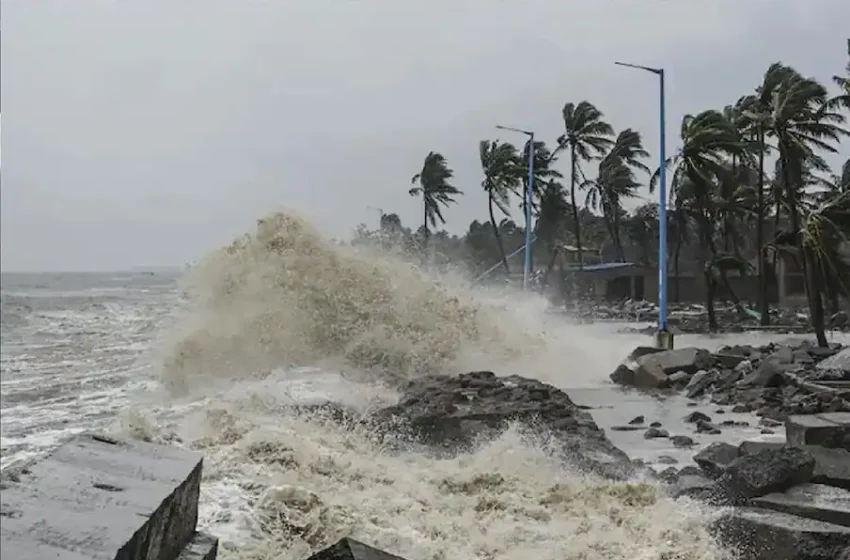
[
  {"x": 349, "y": 549},
  {"x": 828, "y": 429},
  {"x": 97, "y": 497},
  {"x": 838, "y": 361},
  {"x": 202, "y": 547},
  {"x": 812, "y": 501},
  {"x": 759, "y": 534}
]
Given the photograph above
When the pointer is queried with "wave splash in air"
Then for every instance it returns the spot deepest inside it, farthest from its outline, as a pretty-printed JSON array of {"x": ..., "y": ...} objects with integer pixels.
[
  {"x": 280, "y": 483},
  {"x": 285, "y": 296}
]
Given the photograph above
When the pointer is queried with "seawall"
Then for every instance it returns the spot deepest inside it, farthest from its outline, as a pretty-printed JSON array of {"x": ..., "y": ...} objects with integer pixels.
[{"x": 99, "y": 497}]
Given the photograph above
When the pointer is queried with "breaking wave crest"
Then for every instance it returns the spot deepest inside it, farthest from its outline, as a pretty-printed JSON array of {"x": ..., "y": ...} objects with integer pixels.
[{"x": 285, "y": 296}]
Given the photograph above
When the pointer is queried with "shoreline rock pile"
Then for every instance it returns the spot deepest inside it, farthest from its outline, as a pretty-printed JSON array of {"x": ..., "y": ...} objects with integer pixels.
[
  {"x": 789, "y": 500},
  {"x": 773, "y": 381}
]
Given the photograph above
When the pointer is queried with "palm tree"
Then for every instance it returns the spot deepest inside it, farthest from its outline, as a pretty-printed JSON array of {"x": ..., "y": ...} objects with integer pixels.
[
  {"x": 804, "y": 120},
  {"x": 544, "y": 172},
  {"x": 586, "y": 137},
  {"x": 616, "y": 181},
  {"x": 500, "y": 163},
  {"x": 551, "y": 221},
  {"x": 843, "y": 82},
  {"x": 708, "y": 139},
  {"x": 434, "y": 188}
]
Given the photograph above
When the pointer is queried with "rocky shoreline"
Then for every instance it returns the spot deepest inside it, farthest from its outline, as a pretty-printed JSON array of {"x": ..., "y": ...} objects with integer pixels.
[
  {"x": 693, "y": 318},
  {"x": 774, "y": 500}
]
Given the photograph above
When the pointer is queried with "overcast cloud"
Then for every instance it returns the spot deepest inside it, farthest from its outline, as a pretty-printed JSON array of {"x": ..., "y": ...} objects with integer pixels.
[{"x": 147, "y": 132}]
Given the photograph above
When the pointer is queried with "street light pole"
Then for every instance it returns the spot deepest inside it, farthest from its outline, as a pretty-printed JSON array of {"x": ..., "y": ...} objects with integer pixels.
[
  {"x": 529, "y": 197},
  {"x": 664, "y": 339}
]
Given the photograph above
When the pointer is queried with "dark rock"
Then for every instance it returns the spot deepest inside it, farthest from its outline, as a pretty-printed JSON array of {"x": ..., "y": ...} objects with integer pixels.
[
  {"x": 690, "y": 470},
  {"x": 637, "y": 420},
  {"x": 682, "y": 441},
  {"x": 720, "y": 411},
  {"x": 667, "y": 460},
  {"x": 767, "y": 471},
  {"x": 653, "y": 433},
  {"x": 830, "y": 429},
  {"x": 623, "y": 375},
  {"x": 650, "y": 375},
  {"x": 769, "y": 372},
  {"x": 655, "y": 424},
  {"x": 812, "y": 501},
  {"x": 641, "y": 351},
  {"x": 698, "y": 384},
  {"x": 697, "y": 487},
  {"x": 740, "y": 408},
  {"x": 452, "y": 413},
  {"x": 349, "y": 549},
  {"x": 768, "y": 535},
  {"x": 696, "y": 416},
  {"x": 714, "y": 459},
  {"x": 704, "y": 427},
  {"x": 625, "y": 428}
]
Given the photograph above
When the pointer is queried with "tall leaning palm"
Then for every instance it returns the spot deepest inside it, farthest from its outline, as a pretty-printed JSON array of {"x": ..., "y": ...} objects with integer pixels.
[
  {"x": 500, "y": 162},
  {"x": 587, "y": 136},
  {"x": 708, "y": 140},
  {"x": 434, "y": 186},
  {"x": 804, "y": 122}
]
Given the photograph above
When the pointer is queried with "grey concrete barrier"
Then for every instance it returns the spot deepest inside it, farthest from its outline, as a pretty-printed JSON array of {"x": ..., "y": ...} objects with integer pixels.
[{"x": 98, "y": 497}]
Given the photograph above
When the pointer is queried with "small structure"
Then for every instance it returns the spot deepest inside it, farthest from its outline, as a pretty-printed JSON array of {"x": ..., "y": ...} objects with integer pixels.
[{"x": 612, "y": 281}]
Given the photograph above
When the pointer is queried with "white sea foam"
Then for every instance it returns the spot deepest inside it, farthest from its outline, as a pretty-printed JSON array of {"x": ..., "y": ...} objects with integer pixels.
[{"x": 280, "y": 484}]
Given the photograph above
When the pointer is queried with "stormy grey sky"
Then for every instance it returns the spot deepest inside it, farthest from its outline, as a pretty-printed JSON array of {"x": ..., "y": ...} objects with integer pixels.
[{"x": 148, "y": 132}]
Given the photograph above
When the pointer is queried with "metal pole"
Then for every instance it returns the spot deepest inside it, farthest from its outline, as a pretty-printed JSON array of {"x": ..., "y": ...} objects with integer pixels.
[
  {"x": 662, "y": 211},
  {"x": 664, "y": 338},
  {"x": 529, "y": 198}
]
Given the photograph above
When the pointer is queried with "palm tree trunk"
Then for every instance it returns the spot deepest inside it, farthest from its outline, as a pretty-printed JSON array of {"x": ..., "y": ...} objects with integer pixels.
[
  {"x": 764, "y": 308},
  {"x": 677, "y": 249},
  {"x": 498, "y": 236},
  {"x": 576, "y": 224},
  {"x": 621, "y": 253},
  {"x": 811, "y": 280}
]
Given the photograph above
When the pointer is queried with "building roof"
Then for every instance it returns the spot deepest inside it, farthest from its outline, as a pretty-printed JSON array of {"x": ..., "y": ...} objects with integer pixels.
[{"x": 602, "y": 266}]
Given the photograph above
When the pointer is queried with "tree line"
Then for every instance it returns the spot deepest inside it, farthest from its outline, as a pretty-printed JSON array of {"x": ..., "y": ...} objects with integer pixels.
[{"x": 748, "y": 181}]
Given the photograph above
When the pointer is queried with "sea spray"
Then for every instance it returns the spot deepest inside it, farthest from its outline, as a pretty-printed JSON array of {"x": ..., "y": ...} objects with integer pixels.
[
  {"x": 284, "y": 296},
  {"x": 280, "y": 482}
]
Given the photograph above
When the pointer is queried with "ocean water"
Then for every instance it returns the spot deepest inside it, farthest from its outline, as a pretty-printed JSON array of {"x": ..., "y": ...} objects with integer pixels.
[{"x": 213, "y": 359}]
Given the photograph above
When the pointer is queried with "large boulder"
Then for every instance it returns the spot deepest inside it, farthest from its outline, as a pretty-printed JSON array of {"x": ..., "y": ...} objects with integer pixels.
[
  {"x": 767, "y": 471},
  {"x": 350, "y": 549},
  {"x": 454, "y": 412}
]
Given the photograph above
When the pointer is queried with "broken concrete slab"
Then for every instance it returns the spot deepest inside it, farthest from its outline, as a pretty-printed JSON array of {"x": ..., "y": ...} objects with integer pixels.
[
  {"x": 812, "y": 501},
  {"x": 840, "y": 361},
  {"x": 828, "y": 429},
  {"x": 202, "y": 547},
  {"x": 759, "y": 534},
  {"x": 349, "y": 549},
  {"x": 832, "y": 466},
  {"x": 101, "y": 497},
  {"x": 689, "y": 360}
]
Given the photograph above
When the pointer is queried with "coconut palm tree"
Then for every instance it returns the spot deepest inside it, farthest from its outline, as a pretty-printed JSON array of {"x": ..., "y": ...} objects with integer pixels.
[
  {"x": 843, "y": 82},
  {"x": 615, "y": 181},
  {"x": 435, "y": 188},
  {"x": 586, "y": 136},
  {"x": 708, "y": 140},
  {"x": 500, "y": 163}
]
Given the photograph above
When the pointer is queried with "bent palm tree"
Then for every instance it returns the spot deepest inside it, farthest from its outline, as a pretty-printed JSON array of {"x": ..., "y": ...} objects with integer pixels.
[
  {"x": 500, "y": 163},
  {"x": 616, "y": 181},
  {"x": 434, "y": 188},
  {"x": 586, "y": 137}
]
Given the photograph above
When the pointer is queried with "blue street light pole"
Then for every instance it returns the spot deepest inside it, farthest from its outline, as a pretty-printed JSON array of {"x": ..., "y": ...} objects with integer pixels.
[
  {"x": 664, "y": 338},
  {"x": 529, "y": 198}
]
